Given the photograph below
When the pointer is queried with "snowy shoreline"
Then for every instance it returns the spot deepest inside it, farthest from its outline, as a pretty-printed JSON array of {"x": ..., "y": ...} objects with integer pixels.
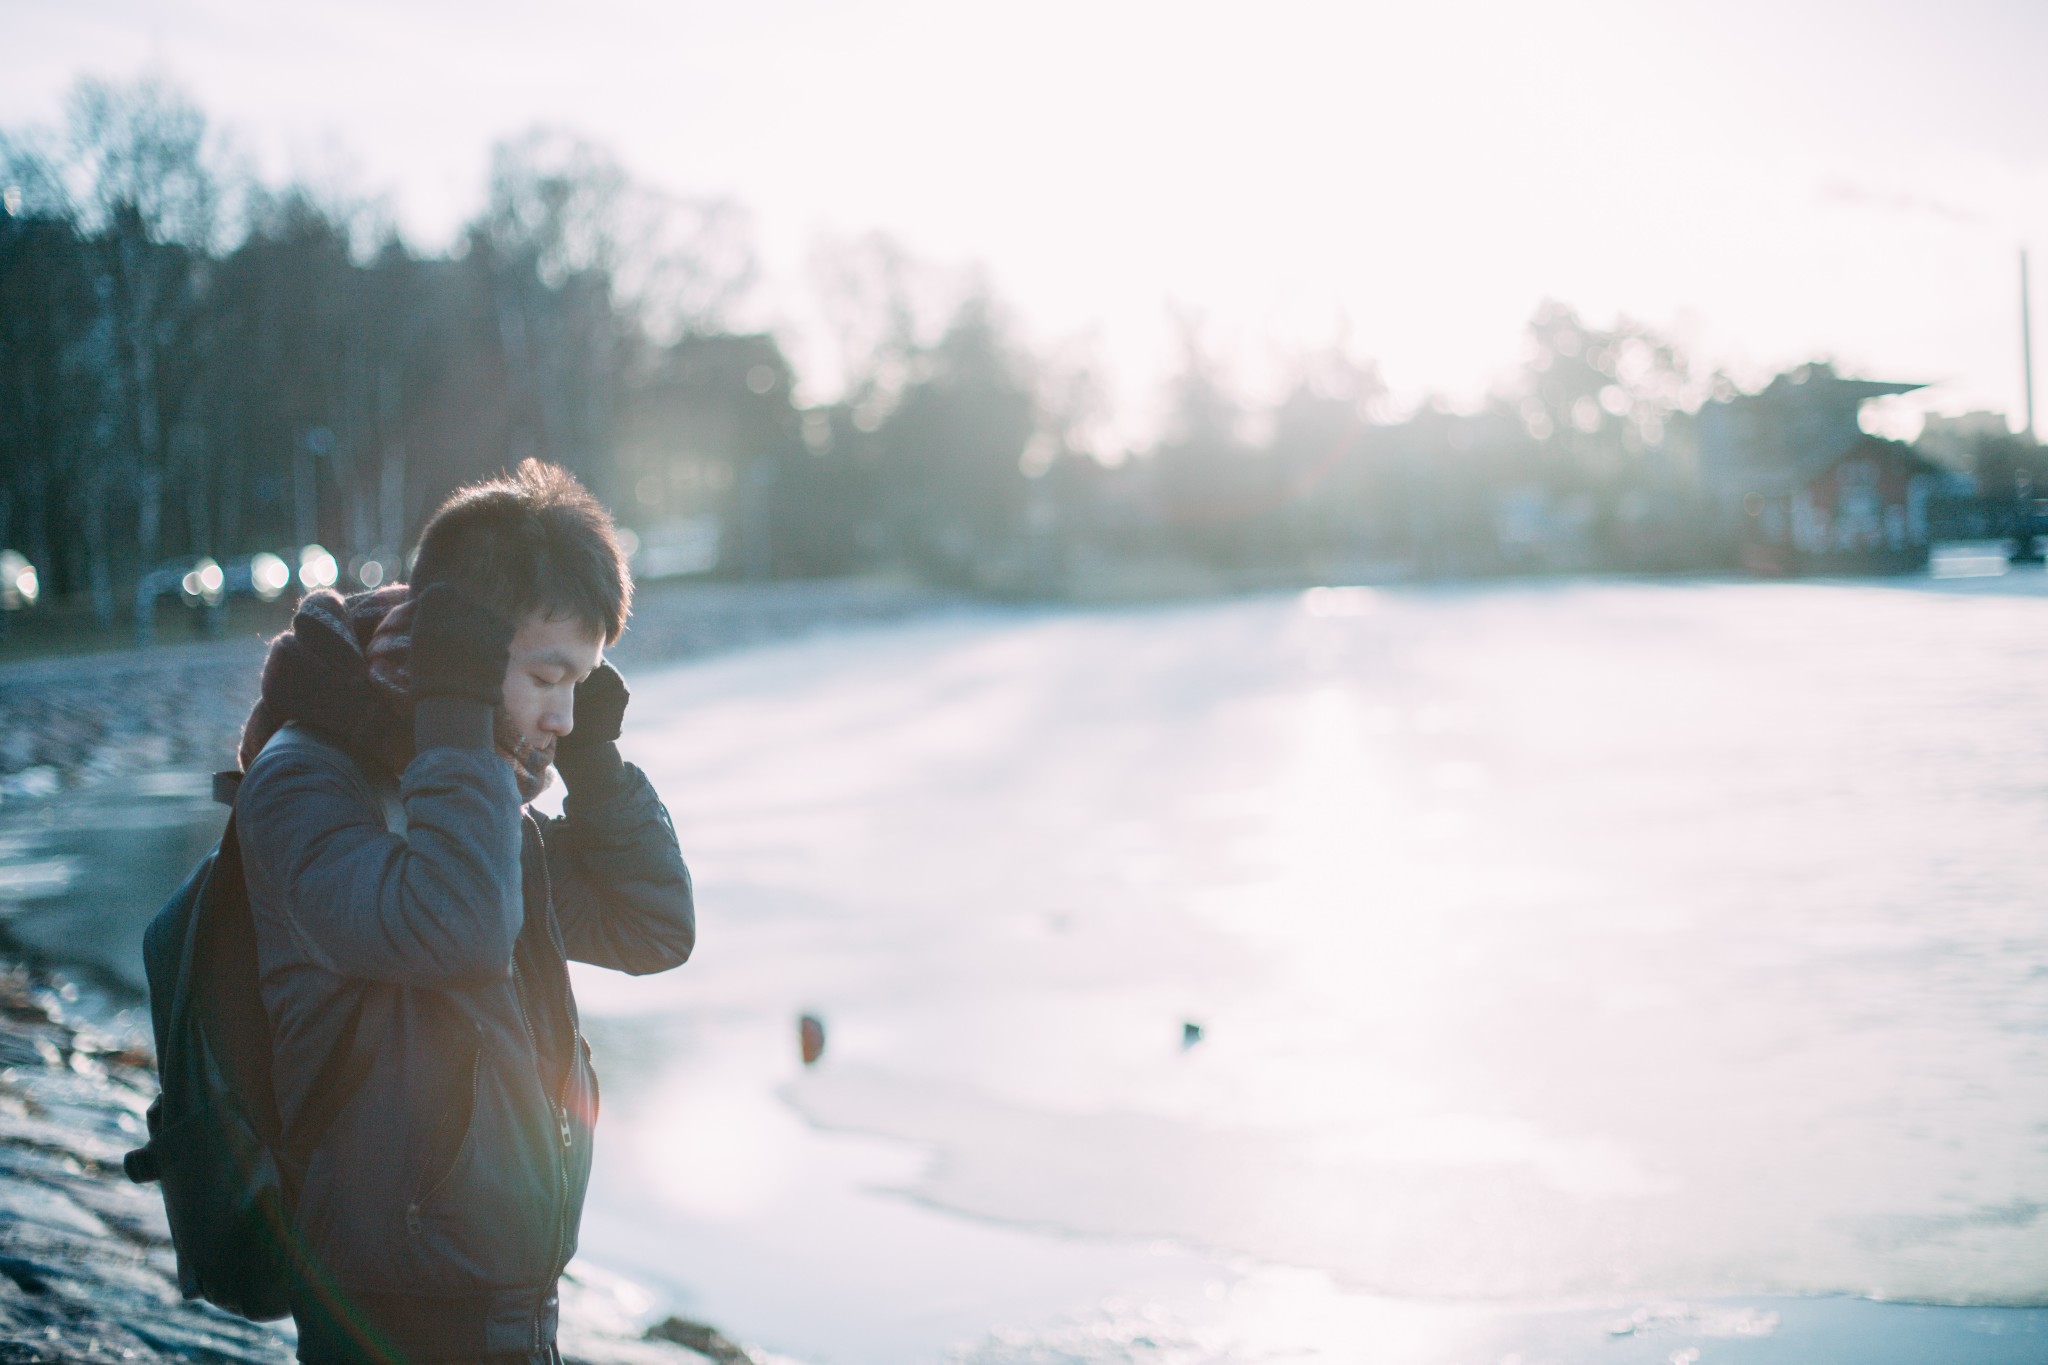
[
  {"x": 86, "y": 1267},
  {"x": 84, "y": 721}
]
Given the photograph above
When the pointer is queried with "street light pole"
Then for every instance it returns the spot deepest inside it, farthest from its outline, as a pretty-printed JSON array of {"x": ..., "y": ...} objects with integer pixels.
[
  {"x": 2027, "y": 345},
  {"x": 313, "y": 443}
]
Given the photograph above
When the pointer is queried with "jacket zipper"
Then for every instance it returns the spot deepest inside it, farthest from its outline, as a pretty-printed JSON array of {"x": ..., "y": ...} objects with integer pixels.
[{"x": 561, "y": 1102}]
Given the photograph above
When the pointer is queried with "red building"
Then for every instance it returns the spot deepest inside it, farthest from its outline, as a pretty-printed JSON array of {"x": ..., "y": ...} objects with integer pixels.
[{"x": 1798, "y": 486}]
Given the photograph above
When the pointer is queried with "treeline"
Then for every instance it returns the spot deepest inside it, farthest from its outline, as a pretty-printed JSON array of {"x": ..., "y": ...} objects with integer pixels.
[
  {"x": 191, "y": 364},
  {"x": 194, "y": 364}
]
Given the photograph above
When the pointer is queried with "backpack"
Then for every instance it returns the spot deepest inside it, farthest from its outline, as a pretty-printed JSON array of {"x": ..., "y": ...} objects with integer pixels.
[{"x": 216, "y": 1143}]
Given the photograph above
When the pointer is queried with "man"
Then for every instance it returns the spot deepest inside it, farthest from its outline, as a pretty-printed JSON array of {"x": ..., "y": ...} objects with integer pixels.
[{"x": 414, "y": 921}]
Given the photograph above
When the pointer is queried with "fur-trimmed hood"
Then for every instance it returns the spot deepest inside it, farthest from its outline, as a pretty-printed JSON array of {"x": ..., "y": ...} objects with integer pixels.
[{"x": 340, "y": 669}]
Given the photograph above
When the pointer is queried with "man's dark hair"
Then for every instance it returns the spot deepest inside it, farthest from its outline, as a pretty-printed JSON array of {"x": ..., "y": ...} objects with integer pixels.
[{"x": 533, "y": 540}]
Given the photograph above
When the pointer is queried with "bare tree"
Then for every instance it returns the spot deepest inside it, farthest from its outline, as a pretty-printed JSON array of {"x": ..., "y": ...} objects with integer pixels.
[
  {"x": 692, "y": 267},
  {"x": 680, "y": 265},
  {"x": 142, "y": 148},
  {"x": 884, "y": 308},
  {"x": 130, "y": 168}
]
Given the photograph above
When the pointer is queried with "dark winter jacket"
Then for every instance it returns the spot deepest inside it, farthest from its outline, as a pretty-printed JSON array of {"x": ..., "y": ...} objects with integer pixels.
[{"x": 442, "y": 1201}]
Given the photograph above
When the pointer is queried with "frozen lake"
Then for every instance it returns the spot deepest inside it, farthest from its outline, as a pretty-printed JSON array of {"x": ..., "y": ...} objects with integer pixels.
[{"x": 1562, "y": 952}]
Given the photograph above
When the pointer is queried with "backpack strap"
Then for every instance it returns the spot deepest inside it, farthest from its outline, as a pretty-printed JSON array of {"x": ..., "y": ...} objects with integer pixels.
[{"x": 295, "y": 734}]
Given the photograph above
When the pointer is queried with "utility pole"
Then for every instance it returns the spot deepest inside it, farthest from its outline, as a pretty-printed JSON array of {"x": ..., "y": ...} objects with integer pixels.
[
  {"x": 2024, "y": 549},
  {"x": 2027, "y": 345},
  {"x": 313, "y": 443}
]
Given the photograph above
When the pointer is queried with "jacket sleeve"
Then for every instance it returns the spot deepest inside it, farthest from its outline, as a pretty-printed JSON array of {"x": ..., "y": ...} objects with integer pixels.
[
  {"x": 620, "y": 886},
  {"x": 437, "y": 905}
]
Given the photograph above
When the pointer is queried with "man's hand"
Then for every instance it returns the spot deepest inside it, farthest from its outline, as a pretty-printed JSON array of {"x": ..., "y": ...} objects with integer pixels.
[
  {"x": 600, "y": 711},
  {"x": 460, "y": 648}
]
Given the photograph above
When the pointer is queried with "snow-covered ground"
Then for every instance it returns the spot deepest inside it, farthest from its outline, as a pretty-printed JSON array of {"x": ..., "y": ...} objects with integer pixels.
[{"x": 1561, "y": 953}]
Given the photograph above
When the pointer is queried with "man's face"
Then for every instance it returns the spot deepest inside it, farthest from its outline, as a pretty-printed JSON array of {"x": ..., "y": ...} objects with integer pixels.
[{"x": 550, "y": 655}]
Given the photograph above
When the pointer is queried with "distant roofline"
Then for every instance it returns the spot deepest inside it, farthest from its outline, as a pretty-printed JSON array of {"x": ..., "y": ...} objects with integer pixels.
[{"x": 1820, "y": 378}]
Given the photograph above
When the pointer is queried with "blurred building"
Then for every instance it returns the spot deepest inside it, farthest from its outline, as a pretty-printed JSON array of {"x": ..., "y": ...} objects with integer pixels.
[
  {"x": 1795, "y": 485},
  {"x": 1955, "y": 442}
]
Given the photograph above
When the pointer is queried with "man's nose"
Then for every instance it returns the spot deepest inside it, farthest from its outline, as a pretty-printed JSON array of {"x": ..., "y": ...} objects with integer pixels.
[{"x": 559, "y": 719}]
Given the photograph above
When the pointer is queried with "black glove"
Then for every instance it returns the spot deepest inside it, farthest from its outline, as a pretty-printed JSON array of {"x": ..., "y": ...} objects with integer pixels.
[
  {"x": 460, "y": 648},
  {"x": 600, "y": 710}
]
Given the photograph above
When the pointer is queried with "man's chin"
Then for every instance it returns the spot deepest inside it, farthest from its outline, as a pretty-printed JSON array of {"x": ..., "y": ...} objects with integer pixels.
[{"x": 522, "y": 751}]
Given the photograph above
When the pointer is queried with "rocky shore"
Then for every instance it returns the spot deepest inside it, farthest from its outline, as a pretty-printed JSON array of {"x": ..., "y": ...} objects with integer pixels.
[
  {"x": 86, "y": 1268},
  {"x": 83, "y": 721}
]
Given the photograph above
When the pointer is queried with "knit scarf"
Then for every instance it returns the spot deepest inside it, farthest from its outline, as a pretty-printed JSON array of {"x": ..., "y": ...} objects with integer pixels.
[{"x": 342, "y": 668}]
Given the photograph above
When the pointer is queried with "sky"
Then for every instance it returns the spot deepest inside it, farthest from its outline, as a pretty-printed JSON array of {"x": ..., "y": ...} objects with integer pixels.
[{"x": 1769, "y": 182}]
